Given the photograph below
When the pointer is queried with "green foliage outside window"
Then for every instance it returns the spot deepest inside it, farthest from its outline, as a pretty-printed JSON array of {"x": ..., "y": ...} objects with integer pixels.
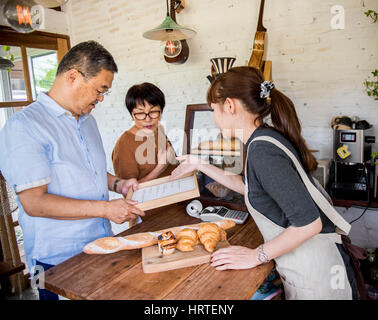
[{"x": 371, "y": 84}]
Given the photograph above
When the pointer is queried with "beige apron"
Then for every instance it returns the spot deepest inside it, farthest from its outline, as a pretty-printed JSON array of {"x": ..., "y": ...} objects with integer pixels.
[{"x": 314, "y": 270}]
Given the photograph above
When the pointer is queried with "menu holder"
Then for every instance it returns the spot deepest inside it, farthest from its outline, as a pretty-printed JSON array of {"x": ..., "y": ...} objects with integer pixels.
[{"x": 163, "y": 191}]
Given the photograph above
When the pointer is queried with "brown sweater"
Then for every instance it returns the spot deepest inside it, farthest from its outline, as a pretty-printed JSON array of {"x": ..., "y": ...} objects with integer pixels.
[{"x": 136, "y": 159}]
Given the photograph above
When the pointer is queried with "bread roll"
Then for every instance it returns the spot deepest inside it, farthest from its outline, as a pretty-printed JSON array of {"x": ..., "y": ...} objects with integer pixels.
[
  {"x": 166, "y": 243},
  {"x": 187, "y": 239},
  {"x": 218, "y": 190}
]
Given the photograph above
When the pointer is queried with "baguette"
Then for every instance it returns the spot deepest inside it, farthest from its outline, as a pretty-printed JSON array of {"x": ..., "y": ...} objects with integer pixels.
[{"x": 141, "y": 240}]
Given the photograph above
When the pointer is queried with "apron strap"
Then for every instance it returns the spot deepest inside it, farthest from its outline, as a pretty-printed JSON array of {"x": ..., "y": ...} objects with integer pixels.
[{"x": 342, "y": 226}]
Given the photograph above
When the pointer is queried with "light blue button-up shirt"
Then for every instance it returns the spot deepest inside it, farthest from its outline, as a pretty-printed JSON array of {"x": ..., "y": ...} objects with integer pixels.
[{"x": 44, "y": 144}]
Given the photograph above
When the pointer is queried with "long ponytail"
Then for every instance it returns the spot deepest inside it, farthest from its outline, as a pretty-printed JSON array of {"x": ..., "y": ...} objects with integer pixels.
[
  {"x": 243, "y": 83},
  {"x": 285, "y": 120}
]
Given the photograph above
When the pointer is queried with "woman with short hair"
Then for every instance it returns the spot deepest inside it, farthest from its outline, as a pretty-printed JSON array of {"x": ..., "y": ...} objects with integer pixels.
[{"x": 144, "y": 151}]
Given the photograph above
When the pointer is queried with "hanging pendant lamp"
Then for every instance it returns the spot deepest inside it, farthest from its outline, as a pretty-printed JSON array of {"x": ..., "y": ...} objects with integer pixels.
[
  {"x": 169, "y": 30},
  {"x": 51, "y": 3}
]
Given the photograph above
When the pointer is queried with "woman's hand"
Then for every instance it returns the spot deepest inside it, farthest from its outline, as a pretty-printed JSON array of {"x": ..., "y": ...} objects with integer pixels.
[
  {"x": 234, "y": 257},
  {"x": 188, "y": 164},
  {"x": 124, "y": 185}
]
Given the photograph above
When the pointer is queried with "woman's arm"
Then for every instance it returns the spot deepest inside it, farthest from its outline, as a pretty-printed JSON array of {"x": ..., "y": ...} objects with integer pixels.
[
  {"x": 123, "y": 158},
  {"x": 155, "y": 173},
  {"x": 164, "y": 159},
  {"x": 238, "y": 257},
  {"x": 162, "y": 164},
  {"x": 190, "y": 163}
]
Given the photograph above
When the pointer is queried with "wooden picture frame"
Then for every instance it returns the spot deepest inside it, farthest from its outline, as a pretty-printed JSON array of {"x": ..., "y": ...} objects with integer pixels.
[
  {"x": 191, "y": 110},
  {"x": 206, "y": 197},
  {"x": 156, "y": 203}
]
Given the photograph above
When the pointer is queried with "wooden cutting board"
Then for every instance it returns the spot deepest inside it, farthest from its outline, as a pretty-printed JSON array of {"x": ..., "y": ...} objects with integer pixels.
[{"x": 153, "y": 261}]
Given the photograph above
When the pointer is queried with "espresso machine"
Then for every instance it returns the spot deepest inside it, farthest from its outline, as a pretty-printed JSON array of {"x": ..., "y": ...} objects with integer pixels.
[{"x": 352, "y": 173}]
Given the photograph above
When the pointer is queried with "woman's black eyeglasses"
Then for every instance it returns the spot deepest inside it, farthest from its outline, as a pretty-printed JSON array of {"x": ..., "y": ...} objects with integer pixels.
[{"x": 142, "y": 115}]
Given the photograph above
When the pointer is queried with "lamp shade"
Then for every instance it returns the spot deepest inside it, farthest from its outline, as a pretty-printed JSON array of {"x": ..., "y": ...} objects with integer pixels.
[
  {"x": 5, "y": 64},
  {"x": 51, "y": 3},
  {"x": 169, "y": 30}
]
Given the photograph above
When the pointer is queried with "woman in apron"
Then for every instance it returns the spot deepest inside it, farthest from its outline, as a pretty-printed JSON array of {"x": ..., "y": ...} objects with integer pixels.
[{"x": 301, "y": 230}]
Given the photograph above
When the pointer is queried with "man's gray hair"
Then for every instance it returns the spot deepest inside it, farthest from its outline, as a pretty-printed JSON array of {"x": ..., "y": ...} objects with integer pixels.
[{"x": 89, "y": 58}]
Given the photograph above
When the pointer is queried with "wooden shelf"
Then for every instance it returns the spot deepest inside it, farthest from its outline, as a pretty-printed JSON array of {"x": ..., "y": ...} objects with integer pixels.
[{"x": 349, "y": 203}]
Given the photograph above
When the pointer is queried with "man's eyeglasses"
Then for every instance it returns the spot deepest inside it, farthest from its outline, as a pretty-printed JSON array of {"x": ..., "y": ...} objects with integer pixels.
[
  {"x": 143, "y": 115},
  {"x": 99, "y": 93}
]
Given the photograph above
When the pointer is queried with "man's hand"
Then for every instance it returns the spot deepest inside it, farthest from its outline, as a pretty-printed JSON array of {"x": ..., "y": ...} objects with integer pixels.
[
  {"x": 124, "y": 185},
  {"x": 121, "y": 210}
]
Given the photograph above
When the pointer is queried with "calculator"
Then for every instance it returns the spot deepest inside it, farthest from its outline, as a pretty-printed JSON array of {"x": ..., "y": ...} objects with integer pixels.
[{"x": 219, "y": 212}]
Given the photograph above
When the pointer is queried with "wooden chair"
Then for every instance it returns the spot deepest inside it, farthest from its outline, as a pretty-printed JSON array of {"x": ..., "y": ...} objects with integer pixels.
[
  {"x": 6, "y": 271},
  {"x": 11, "y": 266}
]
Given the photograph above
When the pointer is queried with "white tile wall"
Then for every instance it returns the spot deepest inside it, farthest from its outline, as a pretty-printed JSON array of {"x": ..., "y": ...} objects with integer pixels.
[
  {"x": 364, "y": 225},
  {"x": 322, "y": 70}
]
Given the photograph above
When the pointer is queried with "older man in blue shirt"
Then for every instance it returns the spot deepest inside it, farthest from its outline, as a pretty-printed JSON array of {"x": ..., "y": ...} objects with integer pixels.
[{"x": 53, "y": 157}]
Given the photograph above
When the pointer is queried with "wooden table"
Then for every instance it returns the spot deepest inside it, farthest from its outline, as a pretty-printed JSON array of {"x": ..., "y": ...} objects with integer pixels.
[{"x": 120, "y": 276}]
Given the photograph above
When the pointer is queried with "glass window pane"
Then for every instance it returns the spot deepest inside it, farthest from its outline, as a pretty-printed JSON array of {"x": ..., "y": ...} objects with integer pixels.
[
  {"x": 12, "y": 83},
  {"x": 42, "y": 65},
  {"x": 5, "y": 114},
  {"x": 204, "y": 128}
]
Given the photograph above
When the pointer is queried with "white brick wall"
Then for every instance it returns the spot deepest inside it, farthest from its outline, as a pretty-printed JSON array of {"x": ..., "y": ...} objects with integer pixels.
[{"x": 322, "y": 70}]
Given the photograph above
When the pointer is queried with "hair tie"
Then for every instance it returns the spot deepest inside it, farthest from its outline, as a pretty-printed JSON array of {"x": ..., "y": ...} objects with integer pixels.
[{"x": 266, "y": 87}]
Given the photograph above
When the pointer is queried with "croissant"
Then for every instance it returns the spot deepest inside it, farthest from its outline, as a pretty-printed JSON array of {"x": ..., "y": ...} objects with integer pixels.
[
  {"x": 210, "y": 234},
  {"x": 187, "y": 239}
]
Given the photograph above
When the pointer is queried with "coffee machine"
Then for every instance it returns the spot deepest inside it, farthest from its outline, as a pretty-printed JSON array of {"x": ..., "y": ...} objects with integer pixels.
[{"x": 352, "y": 173}]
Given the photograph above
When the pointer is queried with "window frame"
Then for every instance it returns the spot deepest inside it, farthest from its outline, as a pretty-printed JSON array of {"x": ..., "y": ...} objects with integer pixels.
[{"x": 36, "y": 39}]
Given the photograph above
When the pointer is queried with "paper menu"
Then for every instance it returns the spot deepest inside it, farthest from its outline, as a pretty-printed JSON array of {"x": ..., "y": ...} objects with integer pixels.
[{"x": 164, "y": 190}]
